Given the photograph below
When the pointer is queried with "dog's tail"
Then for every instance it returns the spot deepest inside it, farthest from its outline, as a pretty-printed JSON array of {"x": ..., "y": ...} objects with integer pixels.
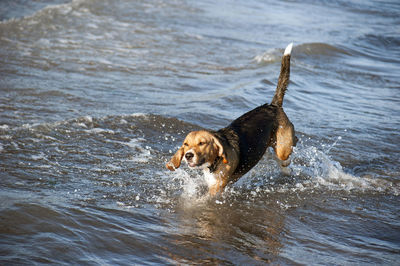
[{"x": 283, "y": 80}]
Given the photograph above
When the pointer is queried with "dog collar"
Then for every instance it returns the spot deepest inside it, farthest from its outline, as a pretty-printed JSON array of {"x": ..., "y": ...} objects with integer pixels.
[{"x": 214, "y": 165}]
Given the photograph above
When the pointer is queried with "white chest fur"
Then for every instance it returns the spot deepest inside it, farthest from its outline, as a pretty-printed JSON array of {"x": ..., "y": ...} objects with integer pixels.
[{"x": 210, "y": 178}]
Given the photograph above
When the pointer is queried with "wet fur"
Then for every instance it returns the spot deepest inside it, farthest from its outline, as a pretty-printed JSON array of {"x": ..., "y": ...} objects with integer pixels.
[{"x": 231, "y": 152}]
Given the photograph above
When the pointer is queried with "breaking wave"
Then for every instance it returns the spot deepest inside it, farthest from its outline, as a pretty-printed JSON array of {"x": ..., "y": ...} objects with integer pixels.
[{"x": 301, "y": 51}]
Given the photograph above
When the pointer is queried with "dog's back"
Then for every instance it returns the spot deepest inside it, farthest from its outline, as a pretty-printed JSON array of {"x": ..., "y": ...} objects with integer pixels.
[{"x": 264, "y": 126}]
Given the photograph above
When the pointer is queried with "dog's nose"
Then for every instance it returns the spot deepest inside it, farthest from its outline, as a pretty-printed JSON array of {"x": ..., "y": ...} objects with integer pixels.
[{"x": 189, "y": 156}]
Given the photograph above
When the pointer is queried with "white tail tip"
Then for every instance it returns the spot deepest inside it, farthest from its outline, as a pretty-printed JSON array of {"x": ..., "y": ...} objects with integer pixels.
[{"x": 288, "y": 49}]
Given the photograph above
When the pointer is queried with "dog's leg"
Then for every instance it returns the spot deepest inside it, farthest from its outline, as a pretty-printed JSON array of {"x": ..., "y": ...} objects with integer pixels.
[
  {"x": 213, "y": 190},
  {"x": 285, "y": 141},
  {"x": 283, "y": 165},
  {"x": 218, "y": 186},
  {"x": 285, "y": 138}
]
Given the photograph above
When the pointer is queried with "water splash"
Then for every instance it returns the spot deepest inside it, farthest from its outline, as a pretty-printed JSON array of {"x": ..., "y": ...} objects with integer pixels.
[
  {"x": 312, "y": 169},
  {"x": 320, "y": 170}
]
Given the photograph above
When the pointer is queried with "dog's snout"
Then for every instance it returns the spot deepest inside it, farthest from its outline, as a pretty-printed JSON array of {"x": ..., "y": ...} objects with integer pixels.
[{"x": 189, "y": 156}]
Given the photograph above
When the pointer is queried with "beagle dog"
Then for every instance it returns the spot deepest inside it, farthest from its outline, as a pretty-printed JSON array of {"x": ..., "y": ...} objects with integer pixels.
[{"x": 229, "y": 153}]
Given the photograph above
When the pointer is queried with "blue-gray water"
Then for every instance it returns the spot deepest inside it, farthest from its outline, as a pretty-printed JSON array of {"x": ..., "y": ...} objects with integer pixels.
[{"x": 95, "y": 96}]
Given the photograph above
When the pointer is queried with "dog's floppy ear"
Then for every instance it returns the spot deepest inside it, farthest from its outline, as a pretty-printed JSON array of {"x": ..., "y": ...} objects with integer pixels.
[
  {"x": 220, "y": 148},
  {"x": 175, "y": 161}
]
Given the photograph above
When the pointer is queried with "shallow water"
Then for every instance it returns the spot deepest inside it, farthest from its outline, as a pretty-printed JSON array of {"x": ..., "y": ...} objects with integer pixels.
[{"x": 95, "y": 96}]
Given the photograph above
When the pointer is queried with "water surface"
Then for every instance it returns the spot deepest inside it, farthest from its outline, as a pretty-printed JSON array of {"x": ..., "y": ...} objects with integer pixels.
[{"x": 95, "y": 96}]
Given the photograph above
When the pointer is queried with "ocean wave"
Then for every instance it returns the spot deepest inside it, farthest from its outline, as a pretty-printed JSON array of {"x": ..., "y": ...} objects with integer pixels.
[
  {"x": 124, "y": 156},
  {"x": 47, "y": 11},
  {"x": 302, "y": 50},
  {"x": 320, "y": 49},
  {"x": 381, "y": 41},
  {"x": 270, "y": 56},
  {"x": 378, "y": 47}
]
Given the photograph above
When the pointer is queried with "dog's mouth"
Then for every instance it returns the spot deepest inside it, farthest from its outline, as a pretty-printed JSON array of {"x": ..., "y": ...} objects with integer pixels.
[
  {"x": 192, "y": 165},
  {"x": 199, "y": 164}
]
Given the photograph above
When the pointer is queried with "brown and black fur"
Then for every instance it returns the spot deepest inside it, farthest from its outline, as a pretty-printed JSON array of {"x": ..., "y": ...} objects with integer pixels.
[{"x": 231, "y": 152}]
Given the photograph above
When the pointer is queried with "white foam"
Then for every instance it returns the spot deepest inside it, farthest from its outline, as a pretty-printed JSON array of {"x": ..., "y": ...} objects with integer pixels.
[
  {"x": 113, "y": 167},
  {"x": 329, "y": 173},
  {"x": 81, "y": 125},
  {"x": 87, "y": 118},
  {"x": 4, "y": 127},
  {"x": 134, "y": 143},
  {"x": 143, "y": 154},
  {"x": 38, "y": 157},
  {"x": 268, "y": 57},
  {"x": 191, "y": 183},
  {"x": 138, "y": 115},
  {"x": 100, "y": 130},
  {"x": 139, "y": 159}
]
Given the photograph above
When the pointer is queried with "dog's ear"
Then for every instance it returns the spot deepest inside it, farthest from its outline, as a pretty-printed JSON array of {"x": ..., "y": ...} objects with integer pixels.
[
  {"x": 220, "y": 149},
  {"x": 175, "y": 161}
]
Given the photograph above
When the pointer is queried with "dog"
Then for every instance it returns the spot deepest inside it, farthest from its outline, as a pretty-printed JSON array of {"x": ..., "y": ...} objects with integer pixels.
[{"x": 229, "y": 153}]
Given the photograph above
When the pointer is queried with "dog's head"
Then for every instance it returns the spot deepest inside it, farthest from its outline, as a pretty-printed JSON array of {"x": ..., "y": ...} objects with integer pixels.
[{"x": 199, "y": 149}]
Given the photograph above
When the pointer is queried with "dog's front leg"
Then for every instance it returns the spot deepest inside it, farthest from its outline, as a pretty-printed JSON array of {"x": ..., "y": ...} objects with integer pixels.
[
  {"x": 218, "y": 186},
  {"x": 215, "y": 189}
]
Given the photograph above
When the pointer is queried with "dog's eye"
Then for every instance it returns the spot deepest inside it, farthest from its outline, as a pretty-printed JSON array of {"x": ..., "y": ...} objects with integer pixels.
[
  {"x": 201, "y": 143},
  {"x": 185, "y": 144}
]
